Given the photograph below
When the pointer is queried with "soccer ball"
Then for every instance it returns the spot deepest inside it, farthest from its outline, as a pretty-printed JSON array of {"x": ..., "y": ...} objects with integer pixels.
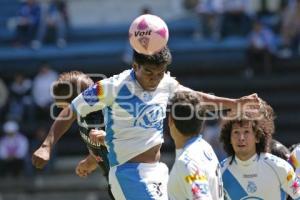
[{"x": 148, "y": 34}]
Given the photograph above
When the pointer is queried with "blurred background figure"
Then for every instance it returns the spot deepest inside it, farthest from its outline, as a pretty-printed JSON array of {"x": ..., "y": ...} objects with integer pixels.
[
  {"x": 290, "y": 30},
  {"x": 211, "y": 134},
  {"x": 13, "y": 150},
  {"x": 27, "y": 22},
  {"x": 3, "y": 97},
  {"x": 41, "y": 90},
  {"x": 237, "y": 17},
  {"x": 53, "y": 19},
  {"x": 209, "y": 13},
  {"x": 20, "y": 102},
  {"x": 261, "y": 50}
]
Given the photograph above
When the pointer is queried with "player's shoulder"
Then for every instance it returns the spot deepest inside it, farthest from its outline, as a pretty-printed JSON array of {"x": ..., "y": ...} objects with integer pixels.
[
  {"x": 225, "y": 163},
  {"x": 186, "y": 161},
  {"x": 294, "y": 158},
  {"x": 296, "y": 151},
  {"x": 117, "y": 79},
  {"x": 277, "y": 164},
  {"x": 168, "y": 78},
  {"x": 195, "y": 154}
]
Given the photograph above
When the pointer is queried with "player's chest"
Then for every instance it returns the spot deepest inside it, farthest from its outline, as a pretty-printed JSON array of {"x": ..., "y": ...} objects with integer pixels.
[{"x": 258, "y": 182}]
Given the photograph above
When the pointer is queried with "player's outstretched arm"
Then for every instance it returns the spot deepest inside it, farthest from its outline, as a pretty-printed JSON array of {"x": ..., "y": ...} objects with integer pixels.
[
  {"x": 60, "y": 126},
  {"x": 213, "y": 102}
]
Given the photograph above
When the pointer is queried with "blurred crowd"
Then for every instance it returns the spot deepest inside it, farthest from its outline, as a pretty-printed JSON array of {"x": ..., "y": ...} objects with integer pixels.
[
  {"x": 271, "y": 26},
  {"x": 38, "y": 22},
  {"x": 24, "y": 106}
]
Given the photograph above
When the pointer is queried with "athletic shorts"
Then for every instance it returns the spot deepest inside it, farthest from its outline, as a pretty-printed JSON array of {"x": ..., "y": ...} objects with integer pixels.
[{"x": 139, "y": 181}]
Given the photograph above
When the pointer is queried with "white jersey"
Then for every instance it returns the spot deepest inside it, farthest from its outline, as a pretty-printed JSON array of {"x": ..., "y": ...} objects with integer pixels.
[
  {"x": 196, "y": 173},
  {"x": 262, "y": 177},
  {"x": 133, "y": 117},
  {"x": 295, "y": 159}
]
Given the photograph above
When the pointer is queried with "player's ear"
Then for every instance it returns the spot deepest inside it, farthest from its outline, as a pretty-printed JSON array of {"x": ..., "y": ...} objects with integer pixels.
[{"x": 135, "y": 66}]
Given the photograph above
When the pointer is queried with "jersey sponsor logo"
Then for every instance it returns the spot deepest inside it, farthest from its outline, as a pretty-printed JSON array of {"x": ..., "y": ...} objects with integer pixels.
[
  {"x": 250, "y": 175},
  {"x": 198, "y": 190},
  {"x": 151, "y": 116},
  {"x": 195, "y": 177},
  {"x": 251, "y": 187}
]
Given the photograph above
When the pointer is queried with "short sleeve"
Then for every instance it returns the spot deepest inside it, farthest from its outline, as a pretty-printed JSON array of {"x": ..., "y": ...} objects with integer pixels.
[
  {"x": 295, "y": 159},
  {"x": 290, "y": 182},
  {"x": 194, "y": 182},
  {"x": 174, "y": 85},
  {"x": 94, "y": 98}
]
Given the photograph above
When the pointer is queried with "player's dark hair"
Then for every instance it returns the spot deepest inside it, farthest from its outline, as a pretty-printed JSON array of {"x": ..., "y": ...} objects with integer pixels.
[
  {"x": 186, "y": 112},
  {"x": 263, "y": 128},
  {"x": 278, "y": 149},
  {"x": 161, "y": 58},
  {"x": 69, "y": 85}
]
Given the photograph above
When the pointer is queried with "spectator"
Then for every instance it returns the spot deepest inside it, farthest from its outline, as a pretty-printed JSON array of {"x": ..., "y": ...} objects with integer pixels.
[
  {"x": 290, "y": 30},
  {"x": 20, "y": 105},
  {"x": 41, "y": 90},
  {"x": 27, "y": 22},
  {"x": 261, "y": 49},
  {"x": 13, "y": 150},
  {"x": 237, "y": 17},
  {"x": 209, "y": 14},
  {"x": 52, "y": 16},
  {"x": 270, "y": 13},
  {"x": 3, "y": 96}
]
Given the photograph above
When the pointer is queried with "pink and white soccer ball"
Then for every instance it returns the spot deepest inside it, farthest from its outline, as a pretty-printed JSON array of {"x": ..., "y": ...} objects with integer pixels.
[{"x": 148, "y": 34}]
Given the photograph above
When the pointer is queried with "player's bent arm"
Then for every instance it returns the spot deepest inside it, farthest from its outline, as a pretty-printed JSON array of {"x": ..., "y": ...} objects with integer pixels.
[{"x": 60, "y": 126}]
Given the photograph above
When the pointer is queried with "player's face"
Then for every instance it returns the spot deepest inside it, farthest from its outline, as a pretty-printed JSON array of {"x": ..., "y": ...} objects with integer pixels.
[
  {"x": 149, "y": 76},
  {"x": 243, "y": 140}
]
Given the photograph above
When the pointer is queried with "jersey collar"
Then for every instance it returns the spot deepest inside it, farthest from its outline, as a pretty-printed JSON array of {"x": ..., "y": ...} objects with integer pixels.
[{"x": 248, "y": 162}]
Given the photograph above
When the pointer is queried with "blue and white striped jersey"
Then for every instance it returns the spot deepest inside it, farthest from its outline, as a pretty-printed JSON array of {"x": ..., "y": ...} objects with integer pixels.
[
  {"x": 262, "y": 177},
  {"x": 196, "y": 173},
  {"x": 133, "y": 117}
]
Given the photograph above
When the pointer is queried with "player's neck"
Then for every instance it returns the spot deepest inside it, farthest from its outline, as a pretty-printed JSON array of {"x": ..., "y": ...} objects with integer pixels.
[{"x": 180, "y": 141}]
